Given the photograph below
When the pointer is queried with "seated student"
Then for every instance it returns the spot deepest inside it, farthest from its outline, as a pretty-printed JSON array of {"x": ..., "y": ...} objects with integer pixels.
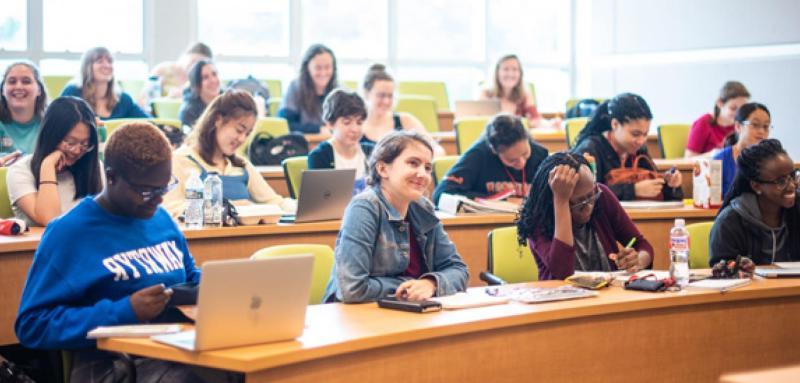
[
  {"x": 343, "y": 113},
  {"x": 504, "y": 158},
  {"x": 302, "y": 104},
  {"x": 174, "y": 75},
  {"x": 760, "y": 217},
  {"x": 98, "y": 87},
  {"x": 615, "y": 136},
  {"x": 63, "y": 168},
  {"x": 390, "y": 240},
  {"x": 203, "y": 87},
  {"x": 23, "y": 99},
  {"x": 509, "y": 87},
  {"x": 572, "y": 223},
  {"x": 709, "y": 131},
  {"x": 211, "y": 147},
  {"x": 751, "y": 127},
  {"x": 381, "y": 118}
]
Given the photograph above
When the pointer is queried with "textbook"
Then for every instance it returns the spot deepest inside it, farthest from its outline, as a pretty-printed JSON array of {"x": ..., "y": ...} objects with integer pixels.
[
  {"x": 465, "y": 300},
  {"x": 454, "y": 204},
  {"x": 651, "y": 204},
  {"x": 719, "y": 284},
  {"x": 133, "y": 331}
]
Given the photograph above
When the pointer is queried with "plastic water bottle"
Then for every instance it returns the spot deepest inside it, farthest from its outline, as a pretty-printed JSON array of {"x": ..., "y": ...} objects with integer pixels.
[
  {"x": 153, "y": 92},
  {"x": 193, "y": 215},
  {"x": 212, "y": 202},
  {"x": 679, "y": 252}
]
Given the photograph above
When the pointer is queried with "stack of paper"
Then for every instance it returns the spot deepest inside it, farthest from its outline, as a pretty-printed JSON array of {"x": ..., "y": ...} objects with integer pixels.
[
  {"x": 719, "y": 284},
  {"x": 133, "y": 331},
  {"x": 469, "y": 300}
]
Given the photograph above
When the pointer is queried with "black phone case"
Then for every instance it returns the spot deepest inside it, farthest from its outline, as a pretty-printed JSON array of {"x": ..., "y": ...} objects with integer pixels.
[{"x": 412, "y": 306}]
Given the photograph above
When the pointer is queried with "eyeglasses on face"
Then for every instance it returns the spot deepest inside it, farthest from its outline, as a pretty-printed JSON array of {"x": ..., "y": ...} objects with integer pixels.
[
  {"x": 71, "y": 145},
  {"x": 148, "y": 193},
  {"x": 590, "y": 200},
  {"x": 765, "y": 127},
  {"x": 784, "y": 182}
]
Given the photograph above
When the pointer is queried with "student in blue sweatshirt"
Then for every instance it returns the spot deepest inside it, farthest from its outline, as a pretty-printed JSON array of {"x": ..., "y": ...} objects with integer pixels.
[{"x": 110, "y": 261}]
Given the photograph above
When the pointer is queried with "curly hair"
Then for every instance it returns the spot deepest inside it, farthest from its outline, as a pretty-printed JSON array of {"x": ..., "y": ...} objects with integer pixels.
[{"x": 136, "y": 147}]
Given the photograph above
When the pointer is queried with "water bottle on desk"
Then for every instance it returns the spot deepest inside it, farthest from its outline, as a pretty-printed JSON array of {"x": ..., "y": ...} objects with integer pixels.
[
  {"x": 153, "y": 93},
  {"x": 193, "y": 215},
  {"x": 212, "y": 202},
  {"x": 679, "y": 252}
]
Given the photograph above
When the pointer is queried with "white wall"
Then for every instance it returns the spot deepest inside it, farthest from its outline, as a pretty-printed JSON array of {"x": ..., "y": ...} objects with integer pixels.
[{"x": 678, "y": 53}]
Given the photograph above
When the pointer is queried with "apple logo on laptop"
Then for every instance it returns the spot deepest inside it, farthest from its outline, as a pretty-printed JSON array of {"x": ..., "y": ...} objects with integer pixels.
[
  {"x": 326, "y": 194},
  {"x": 255, "y": 302}
]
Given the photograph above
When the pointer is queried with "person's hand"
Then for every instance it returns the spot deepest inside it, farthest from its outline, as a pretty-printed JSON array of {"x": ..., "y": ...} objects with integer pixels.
[
  {"x": 648, "y": 188},
  {"x": 416, "y": 289},
  {"x": 55, "y": 160},
  {"x": 562, "y": 180},
  {"x": 674, "y": 180},
  {"x": 150, "y": 301},
  {"x": 627, "y": 259},
  {"x": 9, "y": 159}
]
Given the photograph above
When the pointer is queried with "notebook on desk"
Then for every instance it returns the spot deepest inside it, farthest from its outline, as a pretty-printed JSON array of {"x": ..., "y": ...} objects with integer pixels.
[
  {"x": 778, "y": 272},
  {"x": 324, "y": 194},
  {"x": 244, "y": 302}
]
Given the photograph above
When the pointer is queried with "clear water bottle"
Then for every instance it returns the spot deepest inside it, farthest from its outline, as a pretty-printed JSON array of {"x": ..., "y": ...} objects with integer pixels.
[
  {"x": 679, "y": 252},
  {"x": 193, "y": 215},
  {"x": 153, "y": 92},
  {"x": 212, "y": 202}
]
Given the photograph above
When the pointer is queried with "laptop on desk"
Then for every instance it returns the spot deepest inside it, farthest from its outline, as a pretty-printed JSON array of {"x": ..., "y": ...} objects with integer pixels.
[
  {"x": 778, "y": 272},
  {"x": 324, "y": 194},
  {"x": 243, "y": 302},
  {"x": 479, "y": 108}
]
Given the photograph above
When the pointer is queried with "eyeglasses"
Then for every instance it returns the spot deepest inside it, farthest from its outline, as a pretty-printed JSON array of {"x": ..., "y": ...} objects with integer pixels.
[
  {"x": 783, "y": 182},
  {"x": 148, "y": 193},
  {"x": 84, "y": 146},
  {"x": 591, "y": 200},
  {"x": 766, "y": 127}
]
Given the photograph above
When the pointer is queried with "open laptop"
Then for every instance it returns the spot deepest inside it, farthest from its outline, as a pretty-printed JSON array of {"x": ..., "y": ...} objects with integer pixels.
[
  {"x": 778, "y": 272},
  {"x": 324, "y": 194},
  {"x": 479, "y": 108},
  {"x": 243, "y": 302}
]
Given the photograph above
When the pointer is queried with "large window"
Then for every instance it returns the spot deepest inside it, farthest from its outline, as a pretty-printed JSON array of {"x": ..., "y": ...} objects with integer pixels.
[
  {"x": 244, "y": 27},
  {"x": 14, "y": 25},
  {"x": 114, "y": 24},
  {"x": 449, "y": 30},
  {"x": 351, "y": 28}
]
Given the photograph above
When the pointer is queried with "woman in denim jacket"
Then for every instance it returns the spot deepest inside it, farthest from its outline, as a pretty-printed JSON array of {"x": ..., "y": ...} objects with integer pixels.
[{"x": 390, "y": 240}]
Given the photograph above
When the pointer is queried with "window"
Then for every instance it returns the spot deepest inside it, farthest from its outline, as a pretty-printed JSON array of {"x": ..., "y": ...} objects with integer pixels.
[
  {"x": 79, "y": 25},
  {"x": 533, "y": 29},
  {"x": 429, "y": 30},
  {"x": 245, "y": 28},
  {"x": 14, "y": 25},
  {"x": 351, "y": 28}
]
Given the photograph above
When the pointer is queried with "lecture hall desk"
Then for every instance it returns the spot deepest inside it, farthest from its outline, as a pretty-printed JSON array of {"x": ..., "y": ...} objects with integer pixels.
[
  {"x": 624, "y": 336},
  {"x": 685, "y": 166},
  {"x": 469, "y": 233}
]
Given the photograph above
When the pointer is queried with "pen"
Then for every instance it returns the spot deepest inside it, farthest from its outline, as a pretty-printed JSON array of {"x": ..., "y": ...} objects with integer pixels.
[{"x": 630, "y": 243}]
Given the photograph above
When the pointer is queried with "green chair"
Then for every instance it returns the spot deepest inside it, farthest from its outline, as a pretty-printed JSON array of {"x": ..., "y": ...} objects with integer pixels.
[
  {"x": 442, "y": 165},
  {"x": 672, "y": 139},
  {"x": 166, "y": 108},
  {"x": 699, "y": 234},
  {"x": 55, "y": 85},
  {"x": 508, "y": 261},
  {"x": 573, "y": 127},
  {"x": 533, "y": 92},
  {"x": 5, "y": 202},
  {"x": 274, "y": 126},
  {"x": 293, "y": 169},
  {"x": 435, "y": 89},
  {"x": 275, "y": 87},
  {"x": 132, "y": 87},
  {"x": 349, "y": 85},
  {"x": 469, "y": 130},
  {"x": 274, "y": 104},
  {"x": 323, "y": 264},
  {"x": 421, "y": 107}
]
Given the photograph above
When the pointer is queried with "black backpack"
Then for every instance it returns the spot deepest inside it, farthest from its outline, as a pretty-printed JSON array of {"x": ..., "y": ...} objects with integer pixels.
[
  {"x": 254, "y": 87},
  {"x": 174, "y": 134},
  {"x": 584, "y": 108},
  {"x": 269, "y": 150}
]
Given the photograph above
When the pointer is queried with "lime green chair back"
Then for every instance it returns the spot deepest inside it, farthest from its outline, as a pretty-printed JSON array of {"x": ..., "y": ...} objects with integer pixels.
[
  {"x": 55, "y": 85},
  {"x": 421, "y": 107},
  {"x": 323, "y": 264},
  {"x": 274, "y": 126},
  {"x": 349, "y": 85},
  {"x": 508, "y": 259},
  {"x": 442, "y": 165},
  {"x": 573, "y": 127},
  {"x": 672, "y": 139},
  {"x": 699, "y": 234},
  {"x": 533, "y": 92},
  {"x": 468, "y": 130},
  {"x": 574, "y": 101},
  {"x": 275, "y": 87},
  {"x": 5, "y": 202},
  {"x": 274, "y": 104},
  {"x": 293, "y": 169},
  {"x": 435, "y": 89},
  {"x": 166, "y": 108},
  {"x": 132, "y": 87}
]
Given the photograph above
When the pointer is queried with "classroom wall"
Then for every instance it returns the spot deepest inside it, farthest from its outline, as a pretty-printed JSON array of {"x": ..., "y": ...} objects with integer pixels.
[{"x": 677, "y": 54}]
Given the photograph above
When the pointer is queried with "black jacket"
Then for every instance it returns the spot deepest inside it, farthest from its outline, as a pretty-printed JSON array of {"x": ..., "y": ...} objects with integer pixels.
[
  {"x": 322, "y": 156},
  {"x": 480, "y": 173},
  {"x": 606, "y": 158}
]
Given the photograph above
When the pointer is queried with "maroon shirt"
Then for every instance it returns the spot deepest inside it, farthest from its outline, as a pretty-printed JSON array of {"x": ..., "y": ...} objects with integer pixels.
[
  {"x": 706, "y": 135},
  {"x": 414, "y": 269}
]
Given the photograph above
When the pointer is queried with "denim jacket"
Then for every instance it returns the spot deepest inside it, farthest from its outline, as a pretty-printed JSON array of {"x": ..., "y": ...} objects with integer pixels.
[{"x": 372, "y": 250}]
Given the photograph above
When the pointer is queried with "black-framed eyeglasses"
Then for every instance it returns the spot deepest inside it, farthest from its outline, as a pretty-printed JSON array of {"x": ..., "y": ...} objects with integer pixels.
[
  {"x": 765, "y": 127},
  {"x": 590, "y": 200},
  {"x": 147, "y": 193},
  {"x": 784, "y": 182}
]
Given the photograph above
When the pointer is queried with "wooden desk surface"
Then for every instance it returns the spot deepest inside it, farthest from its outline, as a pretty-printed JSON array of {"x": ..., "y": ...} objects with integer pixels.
[
  {"x": 660, "y": 337},
  {"x": 685, "y": 166}
]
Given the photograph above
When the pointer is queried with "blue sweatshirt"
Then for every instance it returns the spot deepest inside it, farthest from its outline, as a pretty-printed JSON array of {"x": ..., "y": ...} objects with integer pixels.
[{"x": 87, "y": 265}]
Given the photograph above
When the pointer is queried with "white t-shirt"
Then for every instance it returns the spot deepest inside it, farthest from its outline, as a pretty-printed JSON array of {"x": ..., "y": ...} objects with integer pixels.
[
  {"x": 358, "y": 162},
  {"x": 21, "y": 182}
]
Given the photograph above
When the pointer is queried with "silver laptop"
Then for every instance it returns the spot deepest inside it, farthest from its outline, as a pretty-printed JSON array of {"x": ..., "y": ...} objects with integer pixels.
[
  {"x": 324, "y": 194},
  {"x": 778, "y": 272},
  {"x": 243, "y": 302},
  {"x": 477, "y": 108}
]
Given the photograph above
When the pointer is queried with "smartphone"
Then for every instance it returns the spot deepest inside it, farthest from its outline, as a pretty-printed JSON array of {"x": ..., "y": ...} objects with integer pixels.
[{"x": 395, "y": 303}]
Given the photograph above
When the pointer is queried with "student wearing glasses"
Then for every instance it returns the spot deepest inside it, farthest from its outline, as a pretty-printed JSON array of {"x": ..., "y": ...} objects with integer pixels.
[
  {"x": 760, "y": 217},
  {"x": 752, "y": 125},
  {"x": 222, "y": 128},
  {"x": 614, "y": 137},
  {"x": 573, "y": 223},
  {"x": 63, "y": 168}
]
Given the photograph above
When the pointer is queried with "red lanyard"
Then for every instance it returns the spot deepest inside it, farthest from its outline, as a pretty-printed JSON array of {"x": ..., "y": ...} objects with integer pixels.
[{"x": 524, "y": 189}]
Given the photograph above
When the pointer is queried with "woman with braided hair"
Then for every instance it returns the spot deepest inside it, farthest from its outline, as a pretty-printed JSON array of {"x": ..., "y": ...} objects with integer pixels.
[
  {"x": 573, "y": 223},
  {"x": 760, "y": 217}
]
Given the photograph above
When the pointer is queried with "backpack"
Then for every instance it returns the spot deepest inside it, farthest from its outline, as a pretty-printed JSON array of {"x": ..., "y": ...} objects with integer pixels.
[
  {"x": 269, "y": 150},
  {"x": 254, "y": 87},
  {"x": 174, "y": 134},
  {"x": 584, "y": 108}
]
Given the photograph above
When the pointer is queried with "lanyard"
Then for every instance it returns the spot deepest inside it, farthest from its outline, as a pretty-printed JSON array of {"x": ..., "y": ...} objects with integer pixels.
[{"x": 524, "y": 189}]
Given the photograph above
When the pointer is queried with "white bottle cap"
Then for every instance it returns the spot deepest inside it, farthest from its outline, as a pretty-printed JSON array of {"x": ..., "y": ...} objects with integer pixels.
[{"x": 680, "y": 222}]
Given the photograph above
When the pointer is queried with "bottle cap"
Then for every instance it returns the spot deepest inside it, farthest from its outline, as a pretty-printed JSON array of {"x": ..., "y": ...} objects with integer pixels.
[{"x": 680, "y": 222}]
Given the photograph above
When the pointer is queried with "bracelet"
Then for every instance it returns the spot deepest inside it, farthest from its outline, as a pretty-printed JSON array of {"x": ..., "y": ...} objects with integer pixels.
[{"x": 48, "y": 182}]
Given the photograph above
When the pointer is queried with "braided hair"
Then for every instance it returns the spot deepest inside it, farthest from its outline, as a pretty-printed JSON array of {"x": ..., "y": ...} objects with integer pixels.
[
  {"x": 749, "y": 166},
  {"x": 537, "y": 213},
  {"x": 624, "y": 108}
]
